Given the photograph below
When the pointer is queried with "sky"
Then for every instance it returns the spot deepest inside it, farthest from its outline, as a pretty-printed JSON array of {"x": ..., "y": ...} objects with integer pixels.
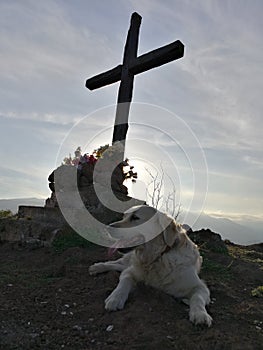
[{"x": 199, "y": 117}]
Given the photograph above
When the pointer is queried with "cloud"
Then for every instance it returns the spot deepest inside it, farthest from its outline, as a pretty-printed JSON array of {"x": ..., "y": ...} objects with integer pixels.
[
  {"x": 48, "y": 49},
  {"x": 44, "y": 56},
  {"x": 19, "y": 181},
  {"x": 220, "y": 74}
]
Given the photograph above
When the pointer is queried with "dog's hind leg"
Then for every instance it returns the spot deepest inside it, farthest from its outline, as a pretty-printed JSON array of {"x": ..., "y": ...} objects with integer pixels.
[{"x": 116, "y": 265}]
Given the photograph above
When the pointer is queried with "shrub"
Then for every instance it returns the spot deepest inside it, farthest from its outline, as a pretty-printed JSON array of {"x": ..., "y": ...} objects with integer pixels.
[
  {"x": 5, "y": 213},
  {"x": 68, "y": 238},
  {"x": 257, "y": 292}
]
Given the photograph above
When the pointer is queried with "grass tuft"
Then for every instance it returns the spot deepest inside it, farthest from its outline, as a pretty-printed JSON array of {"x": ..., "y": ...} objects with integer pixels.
[
  {"x": 257, "y": 292},
  {"x": 68, "y": 238}
]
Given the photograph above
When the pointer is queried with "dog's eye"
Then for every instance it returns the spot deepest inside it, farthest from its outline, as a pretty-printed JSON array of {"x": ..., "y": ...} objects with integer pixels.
[{"x": 134, "y": 217}]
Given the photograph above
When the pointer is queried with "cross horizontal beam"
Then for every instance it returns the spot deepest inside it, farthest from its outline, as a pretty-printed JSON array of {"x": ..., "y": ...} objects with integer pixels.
[
  {"x": 106, "y": 78},
  {"x": 152, "y": 59}
]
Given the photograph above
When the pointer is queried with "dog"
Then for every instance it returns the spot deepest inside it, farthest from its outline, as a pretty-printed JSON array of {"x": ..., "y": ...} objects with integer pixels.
[{"x": 164, "y": 258}]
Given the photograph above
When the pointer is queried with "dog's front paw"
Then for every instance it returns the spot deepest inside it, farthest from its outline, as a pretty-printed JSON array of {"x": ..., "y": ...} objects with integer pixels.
[
  {"x": 201, "y": 317},
  {"x": 96, "y": 268},
  {"x": 115, "y": 301}
]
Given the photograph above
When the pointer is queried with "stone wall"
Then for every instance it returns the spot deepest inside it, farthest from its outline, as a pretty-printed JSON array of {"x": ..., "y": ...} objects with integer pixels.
[
  {"x": 43, "y": 214},
  {"x": 42, "y": 223}
]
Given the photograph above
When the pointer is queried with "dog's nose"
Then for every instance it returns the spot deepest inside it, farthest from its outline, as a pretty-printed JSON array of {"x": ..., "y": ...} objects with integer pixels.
[{"x": 114, "y": 224}]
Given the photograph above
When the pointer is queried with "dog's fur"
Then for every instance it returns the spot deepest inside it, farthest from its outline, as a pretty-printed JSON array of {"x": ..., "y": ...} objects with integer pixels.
[{"x": 169, "y": 262}]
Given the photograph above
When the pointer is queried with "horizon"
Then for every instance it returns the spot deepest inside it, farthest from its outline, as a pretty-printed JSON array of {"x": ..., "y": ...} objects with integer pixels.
[
  {"x": 241, "y": 231},
  {"x": 199, "y": 115}
]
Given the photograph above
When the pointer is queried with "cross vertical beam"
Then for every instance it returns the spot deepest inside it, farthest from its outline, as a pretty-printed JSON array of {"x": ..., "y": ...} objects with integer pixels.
[{"x": 127, "y": 78}]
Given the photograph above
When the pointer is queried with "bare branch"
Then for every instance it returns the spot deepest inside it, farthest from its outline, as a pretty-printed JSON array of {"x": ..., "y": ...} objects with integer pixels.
[{"x": 155, "y": 197}]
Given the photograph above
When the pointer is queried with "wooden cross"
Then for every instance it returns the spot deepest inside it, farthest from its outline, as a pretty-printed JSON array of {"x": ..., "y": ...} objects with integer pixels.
[{"x": 126, "y": 71}]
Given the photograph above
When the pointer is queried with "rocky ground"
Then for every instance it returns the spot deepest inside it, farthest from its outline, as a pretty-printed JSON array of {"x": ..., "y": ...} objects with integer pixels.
[{"x": 49, "y": 301}]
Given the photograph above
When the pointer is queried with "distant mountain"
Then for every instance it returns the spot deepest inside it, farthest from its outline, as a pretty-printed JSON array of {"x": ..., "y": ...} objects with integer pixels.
[
  {"x": 12, "y": 204},
  {"x": 228, "y": 229}
]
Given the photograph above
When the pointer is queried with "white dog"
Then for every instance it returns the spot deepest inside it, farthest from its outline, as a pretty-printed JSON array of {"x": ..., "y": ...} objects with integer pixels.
[{"x": 169, "y": 262}]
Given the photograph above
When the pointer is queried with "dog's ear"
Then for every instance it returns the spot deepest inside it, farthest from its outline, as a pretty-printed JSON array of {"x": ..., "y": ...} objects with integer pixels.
[{"x": 169, "y": 229}]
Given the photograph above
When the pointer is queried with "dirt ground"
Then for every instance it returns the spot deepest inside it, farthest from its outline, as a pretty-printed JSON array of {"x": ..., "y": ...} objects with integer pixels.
[{"x": 49, "y": 301}]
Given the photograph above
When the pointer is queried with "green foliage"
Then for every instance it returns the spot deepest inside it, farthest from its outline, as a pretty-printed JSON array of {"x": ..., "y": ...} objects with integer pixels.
[
  {"x": 68, "y": 239},
  {"x": 5, "y": 213},
  {"x": 217, "y": 248},
  {"x": 216, "y": 269},
  {"x": 257, "y": 292},
  {"x": 251, "y": 256},
  {"x": 98, "y": 152}
]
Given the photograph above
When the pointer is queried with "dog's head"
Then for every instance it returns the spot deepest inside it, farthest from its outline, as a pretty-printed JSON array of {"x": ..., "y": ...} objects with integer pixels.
[{"x": 154, "y": 232}]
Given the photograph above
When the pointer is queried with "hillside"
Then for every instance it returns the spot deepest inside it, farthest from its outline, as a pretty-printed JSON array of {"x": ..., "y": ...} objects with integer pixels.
[{"x": 48, "y": 300}]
